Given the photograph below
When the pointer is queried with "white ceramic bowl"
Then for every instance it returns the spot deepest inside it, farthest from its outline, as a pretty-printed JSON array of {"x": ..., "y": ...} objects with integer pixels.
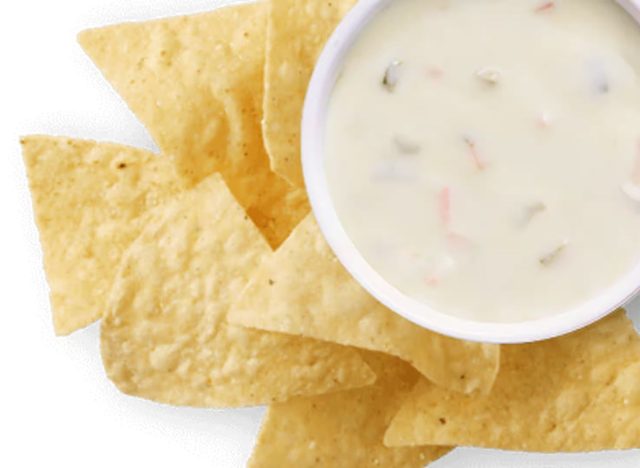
[{"x": 313, "y": 160}]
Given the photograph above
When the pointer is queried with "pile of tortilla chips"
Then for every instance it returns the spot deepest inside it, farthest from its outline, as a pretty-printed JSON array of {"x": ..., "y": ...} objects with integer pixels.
[{"x": 215, "y": 287}]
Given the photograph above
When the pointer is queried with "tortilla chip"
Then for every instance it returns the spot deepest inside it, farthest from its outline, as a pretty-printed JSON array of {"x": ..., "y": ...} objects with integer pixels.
[
  {"x": 576, "y": 393},
  {"x": 297, "y": 33},
  {"x": 302, "y": 289},
  {"x": 165, "y": 337},
  {"x": 196, "y": 84},
  {"x": 343, "y": 429},
  {"x": 89, "y": 199}
]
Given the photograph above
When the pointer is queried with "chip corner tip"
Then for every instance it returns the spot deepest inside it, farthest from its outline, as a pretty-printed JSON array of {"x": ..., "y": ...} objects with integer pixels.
[
  {"x": 62, "y": 329},
  {"x": 81, "y": 37},
  {"x": 87, "y": 39}
]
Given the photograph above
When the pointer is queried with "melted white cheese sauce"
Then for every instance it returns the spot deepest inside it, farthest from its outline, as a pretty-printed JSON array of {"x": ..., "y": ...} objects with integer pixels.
[{"x": 484, "y": 155}]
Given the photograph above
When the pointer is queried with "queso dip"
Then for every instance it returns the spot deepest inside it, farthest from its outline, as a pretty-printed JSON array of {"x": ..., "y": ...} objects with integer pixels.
[{"x": 484, "y": 155}]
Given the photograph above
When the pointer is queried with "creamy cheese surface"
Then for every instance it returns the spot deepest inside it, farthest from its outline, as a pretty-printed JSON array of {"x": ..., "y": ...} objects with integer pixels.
[{"x": 484, "y": 155}]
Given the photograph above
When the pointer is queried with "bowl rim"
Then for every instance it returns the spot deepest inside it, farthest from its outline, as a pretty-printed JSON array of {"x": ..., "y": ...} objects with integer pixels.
[{"x": 316, "y": 102}]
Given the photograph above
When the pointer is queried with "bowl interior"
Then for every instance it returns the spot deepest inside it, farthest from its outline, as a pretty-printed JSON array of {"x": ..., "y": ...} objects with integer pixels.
[{"x": 313, "y": 160}]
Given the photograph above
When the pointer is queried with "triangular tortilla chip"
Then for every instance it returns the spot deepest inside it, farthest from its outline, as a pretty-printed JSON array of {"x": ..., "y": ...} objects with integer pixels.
[
  {"x": 165, "y": 337},
  {"x": 196, "y": 84},
  {"x": 302, "y": 289},
  {"x": 343, "y": 429},
  {"x": 575, "y": 393},
  {"x": 88, "y": 200},
  {"x": 297, "y": 33}
]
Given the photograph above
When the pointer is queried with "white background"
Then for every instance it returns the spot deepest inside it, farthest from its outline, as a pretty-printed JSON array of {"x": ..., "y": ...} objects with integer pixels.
[{"x": 56, "y": 406}]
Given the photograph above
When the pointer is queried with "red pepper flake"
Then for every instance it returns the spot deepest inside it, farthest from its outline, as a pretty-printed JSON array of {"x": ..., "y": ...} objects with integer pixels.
[
  {"x": 432, "y": 280},
  {"x": 458, "y": 241},
  {"x": 544, "y": 120},
  {"x": 444, "y": 206},
  {"x": 435, "y": 73},
  {"x": 545, "y": 7},
  {"x": 475, "y": 155},
  {"x": 439, "y": 271}
]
